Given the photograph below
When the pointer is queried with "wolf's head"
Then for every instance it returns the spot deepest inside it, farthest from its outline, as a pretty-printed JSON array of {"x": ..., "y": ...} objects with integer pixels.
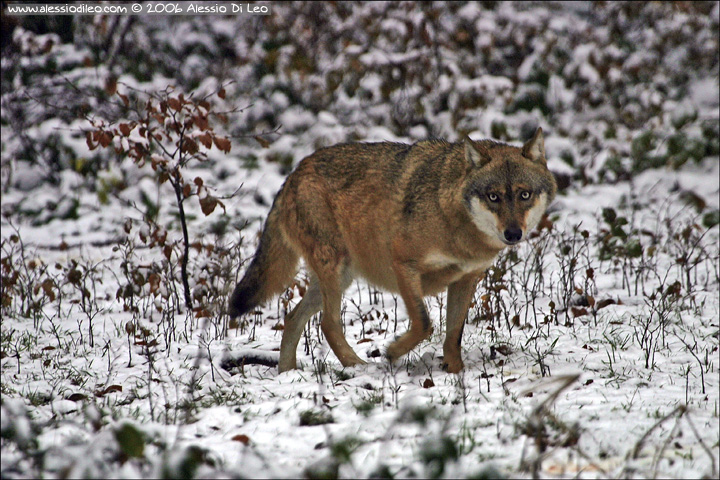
[{"x": 508, "y": 188}]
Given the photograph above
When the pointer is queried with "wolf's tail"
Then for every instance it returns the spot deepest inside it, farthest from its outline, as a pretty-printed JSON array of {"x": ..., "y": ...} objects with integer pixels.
[{"x": 270, "y": 272}]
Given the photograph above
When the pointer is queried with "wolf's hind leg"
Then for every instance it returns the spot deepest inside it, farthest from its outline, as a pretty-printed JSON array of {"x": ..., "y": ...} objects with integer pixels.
[
  {"x": 295, "y": 322},
  {"x": 333, "y": 284}
]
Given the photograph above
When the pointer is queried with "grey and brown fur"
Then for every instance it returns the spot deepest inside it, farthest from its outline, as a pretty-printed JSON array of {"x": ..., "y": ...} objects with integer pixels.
[{"x": 413, "y": 219}]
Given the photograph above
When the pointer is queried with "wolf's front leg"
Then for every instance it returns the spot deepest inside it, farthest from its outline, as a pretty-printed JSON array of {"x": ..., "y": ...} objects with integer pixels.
[
  {"x": 459, "y": 295},
  {"x": 410, "y": 285}
]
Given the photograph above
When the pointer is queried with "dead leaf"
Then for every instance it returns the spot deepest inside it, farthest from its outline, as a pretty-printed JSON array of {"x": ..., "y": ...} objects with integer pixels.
[
  {"x": 110, "y": 389},
  {"x": 263, "y": 143},
  {"x": 605, "y": 302},
  {"x": 190, "y": 146},
  {"x": 208, "y": 204},
  {"x": 223, "y": 144},
  {"x": 111, "y": 85},
  {"x": 205, "y": 139},
  {"x": 89, "y": 140},
  {"x": 174, "y": 103}
]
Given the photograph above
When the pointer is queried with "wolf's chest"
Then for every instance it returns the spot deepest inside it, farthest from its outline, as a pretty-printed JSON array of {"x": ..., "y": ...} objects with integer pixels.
[{"x": 440, "y": 261}]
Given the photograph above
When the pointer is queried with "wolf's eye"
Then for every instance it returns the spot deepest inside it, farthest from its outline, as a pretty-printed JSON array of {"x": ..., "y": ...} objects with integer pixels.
[
  {"x": 493, "y": 197},
  {"x": 525, "y": 195}
]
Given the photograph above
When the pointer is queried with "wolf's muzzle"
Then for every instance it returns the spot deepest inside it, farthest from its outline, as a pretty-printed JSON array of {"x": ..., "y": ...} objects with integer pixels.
[{"x": 513, "y": 235}]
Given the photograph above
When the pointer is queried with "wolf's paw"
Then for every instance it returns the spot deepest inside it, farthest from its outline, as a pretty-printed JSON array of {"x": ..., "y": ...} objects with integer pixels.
[
  {"x": 286, "y": 367},
  {"x": 352, "y": 361},
  {"x": 405, "y": 343},
  {"x": 453, "y": 366}
]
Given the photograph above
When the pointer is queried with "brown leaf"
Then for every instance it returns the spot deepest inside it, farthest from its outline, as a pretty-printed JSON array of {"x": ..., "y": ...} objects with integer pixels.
[
  {"x": 124, "y": 99},
  {"x": 504, "y": 349},
  {"x": 579, "y": 312},
  {"x": 221, "y": 93},
  {"x": 110, "y": 389},
  {"x": 198, "y": 181},
  {"x": 223, "y": 144},
  {"x": 428, "y": 383},
  {"x": 208, "y": 204},
  {"x": 77, "y": 397},
  {"x": 105, "y": 139},
  {"x": 154, "y": 281},
  {"x": 202, "y": 122},
  {"x": 111, "y": 85},
  {"x": 205, "y": 139},
  {"x": 190, "y": 146},
  {"x": 124, "y": 129},
  {"x": 605, "y": 302},
  {"x": 545, "y": 223},
  {"x": 244, "y": 439},
  {"x": 47, "y": 286},
  {"x": 174, "y": 103},
  {"x": 89, "y": 140},
  {"x": 74, "y": 276},
  {"x": 263, "y": 143},
  {"x": 130, "y": 328},
  {"x": 364, "y": 340},
  {"x": 187, "y": 190}
]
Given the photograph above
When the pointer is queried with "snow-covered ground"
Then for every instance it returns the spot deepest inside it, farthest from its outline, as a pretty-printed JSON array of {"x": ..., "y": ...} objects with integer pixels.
[{"x": 591, "y": 350}]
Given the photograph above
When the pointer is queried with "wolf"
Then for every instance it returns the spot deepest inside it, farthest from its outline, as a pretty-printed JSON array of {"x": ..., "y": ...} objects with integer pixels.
[{"x": 411, "y": 219}]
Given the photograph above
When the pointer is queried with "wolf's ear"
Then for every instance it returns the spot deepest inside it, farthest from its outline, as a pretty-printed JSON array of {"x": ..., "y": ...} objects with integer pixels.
[
  {"x": 474, "y": 157},
  {"x": 534, "y": 149}
]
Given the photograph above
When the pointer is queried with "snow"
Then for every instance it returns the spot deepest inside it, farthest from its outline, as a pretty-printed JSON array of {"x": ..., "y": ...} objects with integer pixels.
[{"x": 169, "y": 375}]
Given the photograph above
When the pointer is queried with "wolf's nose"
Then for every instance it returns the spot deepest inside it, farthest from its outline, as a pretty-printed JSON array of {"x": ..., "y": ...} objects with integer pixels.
[{"x": 513, "y": 235}]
